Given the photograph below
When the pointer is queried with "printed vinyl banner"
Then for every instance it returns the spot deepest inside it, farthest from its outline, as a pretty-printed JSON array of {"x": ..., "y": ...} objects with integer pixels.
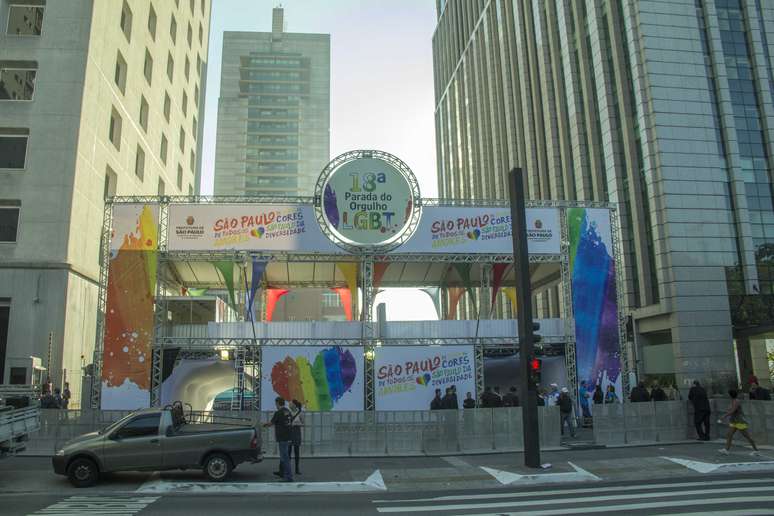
[
  {"x": 474, "y": 230},
  {"x": 406, "y": 377},
  {"x": 131, "y": 287},
  {"x": 250, "y": 227},
  {"x": 321, "y": 378},
  {"x": 594, "y": 298}
]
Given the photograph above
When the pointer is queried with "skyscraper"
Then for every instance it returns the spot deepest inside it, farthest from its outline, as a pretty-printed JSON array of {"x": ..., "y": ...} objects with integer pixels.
[
  {"x": 96, "y": 99},
  {"x": 274, "y": 112},
  {"x": 661, "y": 108}
]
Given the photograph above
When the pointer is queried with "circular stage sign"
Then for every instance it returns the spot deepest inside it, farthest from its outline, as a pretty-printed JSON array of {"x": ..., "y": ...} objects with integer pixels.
[{"x": 367, "y": 199}]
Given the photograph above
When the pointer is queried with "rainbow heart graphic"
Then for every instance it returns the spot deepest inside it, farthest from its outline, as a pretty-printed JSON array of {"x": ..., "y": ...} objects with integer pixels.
[
  {"x": 424, "y": 379},
  {"x": 473, "y": 235},
  {"x": 258, "y": 232}
]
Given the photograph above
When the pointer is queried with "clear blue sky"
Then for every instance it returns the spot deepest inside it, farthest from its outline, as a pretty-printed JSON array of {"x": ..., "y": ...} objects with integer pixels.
[{"x": 381, "y": 74}]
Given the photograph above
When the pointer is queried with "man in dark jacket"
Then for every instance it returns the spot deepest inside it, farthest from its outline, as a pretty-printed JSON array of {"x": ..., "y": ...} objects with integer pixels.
[
  {"x": 565, "y": 410},
  {"x": 511, "y": 399},
  {"x": 449, "y": 401},
  {"x": 639, "y": 394},
  {"x": 701, "y": 410},
  {"x": 759, "y": 393},
  {"x": 657, "y": 393},
  {"x": 281, "y": 421},
  {"x": 469, "y": 402},
  {"x": 488, "y": 398},
  {"x": 437, "y": 401}
]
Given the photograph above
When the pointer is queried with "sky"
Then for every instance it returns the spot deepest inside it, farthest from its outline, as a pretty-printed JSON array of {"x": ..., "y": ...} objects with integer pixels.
[{"x": 381, "y": 74}]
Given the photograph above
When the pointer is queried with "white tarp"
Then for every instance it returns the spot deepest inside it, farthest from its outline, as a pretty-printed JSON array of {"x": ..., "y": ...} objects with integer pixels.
[
  {"x": 406, "y": 377},
  {"x": 250, "y": 227},
  {"x": 476, "y": 230}
]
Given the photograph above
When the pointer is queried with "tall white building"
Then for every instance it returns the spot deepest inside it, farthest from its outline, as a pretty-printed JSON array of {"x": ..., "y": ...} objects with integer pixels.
[
  {"x": 97, "y": 98},
  {"x": 274, "y": 112},
  {"x": 664, "y": 108}
]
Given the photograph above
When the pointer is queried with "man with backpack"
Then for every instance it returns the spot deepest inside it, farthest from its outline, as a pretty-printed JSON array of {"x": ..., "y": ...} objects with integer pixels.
[
  {"x": 565, "y": 410},
  {"x": 281, "y": 421}
]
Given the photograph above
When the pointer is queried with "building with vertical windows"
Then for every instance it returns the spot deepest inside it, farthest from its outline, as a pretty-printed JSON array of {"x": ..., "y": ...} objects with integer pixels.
[
  {"x": 274, "y": 112},
  {"x": 96, "y": 99},
  {"x": 663, "y": 108}
]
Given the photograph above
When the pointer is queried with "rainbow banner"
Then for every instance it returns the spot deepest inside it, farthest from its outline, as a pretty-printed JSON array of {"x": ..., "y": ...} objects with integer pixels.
[
  {"x": 321, "y": 378},
  {"x": 594, "y": 297}
]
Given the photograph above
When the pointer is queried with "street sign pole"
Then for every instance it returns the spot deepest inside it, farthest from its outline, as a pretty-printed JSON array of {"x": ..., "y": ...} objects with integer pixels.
[{"x": 524, "y": 317}]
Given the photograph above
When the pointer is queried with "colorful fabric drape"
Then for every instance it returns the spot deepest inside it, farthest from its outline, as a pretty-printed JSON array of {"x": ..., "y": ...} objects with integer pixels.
[
  {"x": 259, "y": 267},
  {"x": 511, "y": 293},
  {"x": 226, "y": 269},
  {"x": 455, "y": 293},
  {"x": 350, "y": 271},
  {"x": 435, "y": 295},
  {"x": 498, "y": 273},
  {"x": 463, "y": 271},
  {"x": 346, "y": 300},
  {"x": 379, "y": 269},
  {"x": 272, "y": 296}
]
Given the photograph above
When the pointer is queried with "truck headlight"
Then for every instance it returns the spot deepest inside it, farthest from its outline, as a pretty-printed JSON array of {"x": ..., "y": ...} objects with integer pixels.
[{"x": 60, "y": 453}]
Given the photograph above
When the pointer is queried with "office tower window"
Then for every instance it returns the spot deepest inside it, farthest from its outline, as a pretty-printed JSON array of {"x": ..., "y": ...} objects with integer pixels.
[
  {"x": 147, "y": 68},
  {"x": 194, "y": 127},
  {"x": 187, "y": 68},
  {"x": 5, "y": 319},
  {"x": 198, "y": 65},
  {"x": 162, "y": 187},
  {"x": 152, "y": 21},
  {"x": 126, "y": 21},
  {"x": 201, "y": 34},
  {"x": 170, "y": 67},
  {"x": 163, "y": 150},
  {"x": 192, "y": 160},
  {"x": 185, "y": 104},
  {"x": 17, "y": 80},
  {"x": 120, "y": 75},
  {"x": 182, "y": 140},
  {"x": 189, "y": 36},
  {"x": 173, "y": 29},
  {"x": 114, "y": 132},
  {"x": 111, "y": 183},
  {"x": 190, "y": 190},
  {"x": 202, "y": 6},
  {"x": 196, "y": 97},
  {"x": 9, "y": 220},
  {"x": 167, "y": 106},
  {"x": 192, "y": 3},
  {"x": 179, "y": 177},
  {"x": 144, "y": 113},
  {"x": 139, "y": 163},
  {"x": 25, "y": 20}
]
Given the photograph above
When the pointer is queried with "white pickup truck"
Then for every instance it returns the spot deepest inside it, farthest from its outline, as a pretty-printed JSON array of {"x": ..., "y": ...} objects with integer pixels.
[{"x": 15, "y": 426}]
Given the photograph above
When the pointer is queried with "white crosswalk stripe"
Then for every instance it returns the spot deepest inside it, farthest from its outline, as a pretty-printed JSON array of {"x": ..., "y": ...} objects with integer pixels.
[
  {"x": 107, "y": 505},
  {"x": 600, "y": 499}
]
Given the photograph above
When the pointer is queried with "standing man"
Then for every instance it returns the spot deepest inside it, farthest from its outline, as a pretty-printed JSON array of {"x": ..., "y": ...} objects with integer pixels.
[
  {"x": 584, "y": 398},
  {"x": 281, "y": 421},
  {"x": 449, "y": 401},
  {"x": 639, "y": 394},
  {"x": 436, "y": 403},
  {"x": 469, "y": 402},
  {"x": 565, "y": 411},
  {"x": 657, "y": 393},
  {"x": 66, "y": 395},
  {"x": 701, "y": 410},
  {"x": 511, "y": 399}
]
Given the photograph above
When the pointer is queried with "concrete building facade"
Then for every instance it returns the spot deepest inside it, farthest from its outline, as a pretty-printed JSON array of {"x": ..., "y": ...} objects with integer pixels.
[
  {"x": 662, "y": 107},
  {"x": 107, "y": 100},
  {"x": 274, "y": 112}
]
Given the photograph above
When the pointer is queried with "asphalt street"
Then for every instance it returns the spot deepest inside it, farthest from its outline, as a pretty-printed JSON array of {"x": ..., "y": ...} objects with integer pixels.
[{"x": 679, "y": 479}]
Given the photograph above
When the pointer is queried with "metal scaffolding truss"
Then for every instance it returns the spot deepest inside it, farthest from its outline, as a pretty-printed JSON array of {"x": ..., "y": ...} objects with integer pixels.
[{"x": 104, "y": 260}]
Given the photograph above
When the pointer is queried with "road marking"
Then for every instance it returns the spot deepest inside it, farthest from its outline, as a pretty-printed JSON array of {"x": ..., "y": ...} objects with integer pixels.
[
  {"x": 112, "y": 505},
  {"x": 595, "y": 489},
  {"x": 746, "y": 512},
  {"x": 568, "y": 501},
  {"x": 507, "y": 478},
  {"x": 456, "y": 462},
  {"x": 649, "y": 505},
  {"x": 374, "y": 482},
  {"x": 707, "y": 467}
]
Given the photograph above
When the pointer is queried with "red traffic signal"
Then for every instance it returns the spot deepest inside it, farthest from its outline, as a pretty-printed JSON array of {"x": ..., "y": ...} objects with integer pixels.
[{"x": 535, "y": 364}]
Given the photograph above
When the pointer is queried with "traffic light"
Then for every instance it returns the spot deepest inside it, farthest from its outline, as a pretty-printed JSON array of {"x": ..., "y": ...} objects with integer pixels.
[
  {"x": 535, "y": 368},
  {"x": 536, "y": 337}
]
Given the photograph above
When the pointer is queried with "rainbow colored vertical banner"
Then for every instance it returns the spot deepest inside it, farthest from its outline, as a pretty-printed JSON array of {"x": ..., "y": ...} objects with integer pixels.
[
  {"x": 321, "y": 378},
  {"x": 126, "y": 361},
  {"x": 594, "y": 297}
]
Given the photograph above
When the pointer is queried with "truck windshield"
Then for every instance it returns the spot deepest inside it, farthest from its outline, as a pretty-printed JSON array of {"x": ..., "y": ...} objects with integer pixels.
[{"x": 115, "y": 424}]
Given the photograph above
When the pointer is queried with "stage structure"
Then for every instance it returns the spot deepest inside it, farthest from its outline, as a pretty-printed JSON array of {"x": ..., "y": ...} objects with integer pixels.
[{"x": 365, "y": 228}]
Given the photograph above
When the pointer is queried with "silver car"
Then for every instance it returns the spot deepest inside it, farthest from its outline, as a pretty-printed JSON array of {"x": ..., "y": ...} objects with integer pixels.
[{"x": 158, "y": 439}]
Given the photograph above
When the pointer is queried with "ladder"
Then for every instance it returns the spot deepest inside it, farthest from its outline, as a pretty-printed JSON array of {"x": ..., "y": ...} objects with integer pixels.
[{"x": 238, "y": 394}]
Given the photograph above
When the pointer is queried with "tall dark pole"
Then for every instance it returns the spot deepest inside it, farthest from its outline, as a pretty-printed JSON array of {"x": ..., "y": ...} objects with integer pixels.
[{"x": 524, "y": 311}]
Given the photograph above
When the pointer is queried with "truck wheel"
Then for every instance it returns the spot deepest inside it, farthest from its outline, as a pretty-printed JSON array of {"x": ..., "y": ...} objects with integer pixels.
[
  {"x": 217, "y": 467},
  {"x": 83, "y": 473}
]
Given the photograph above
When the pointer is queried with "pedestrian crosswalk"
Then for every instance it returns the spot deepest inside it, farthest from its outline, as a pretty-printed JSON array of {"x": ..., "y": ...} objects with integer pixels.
[
  {"x": 736, "y": 496},
  {"x": 107, "y": 505}
]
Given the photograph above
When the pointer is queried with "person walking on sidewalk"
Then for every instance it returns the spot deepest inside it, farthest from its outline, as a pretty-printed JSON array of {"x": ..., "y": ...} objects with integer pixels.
[
  {"x": 565, "y": 411},
  {"x": 701, "y": 410},
  {"x": 736, "y": 423},
  {"x": 281, "y": 421},
  {"x": 296, "y": 427},
  {"x": 611, "y": 396}
]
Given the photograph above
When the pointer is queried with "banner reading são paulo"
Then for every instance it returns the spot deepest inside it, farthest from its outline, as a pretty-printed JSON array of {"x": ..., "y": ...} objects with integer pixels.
[
  {"x": 250, "y": 227},
  {"x": 406, "y": 377},
  {"x": 482, "y": 230}
]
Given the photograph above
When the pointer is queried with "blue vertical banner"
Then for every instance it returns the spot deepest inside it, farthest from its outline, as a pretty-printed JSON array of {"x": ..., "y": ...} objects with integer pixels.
[{"x": 259, "y": 268}]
